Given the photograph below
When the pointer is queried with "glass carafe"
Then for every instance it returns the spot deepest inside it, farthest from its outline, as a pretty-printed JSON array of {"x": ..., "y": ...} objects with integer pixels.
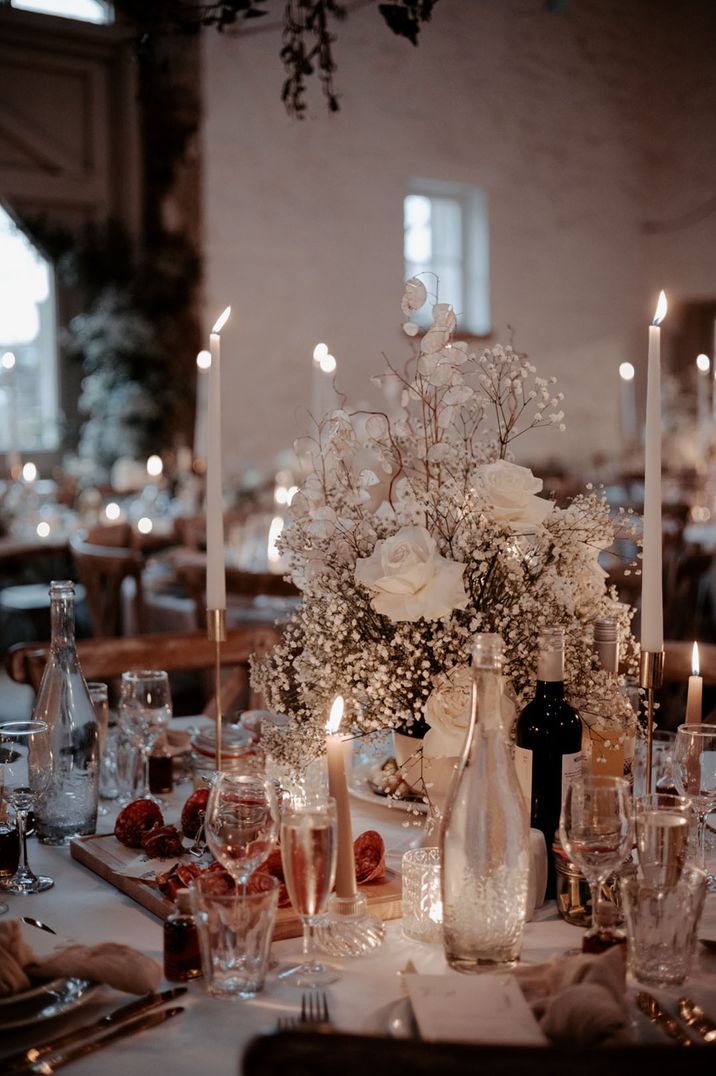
[
  {"x": 69, "y": 807},
  {"x": 484, "y": 836}
]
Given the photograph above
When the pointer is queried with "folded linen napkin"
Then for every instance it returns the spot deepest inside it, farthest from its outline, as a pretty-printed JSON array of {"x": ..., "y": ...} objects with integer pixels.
[
  {"x": 580, "y": 1000},
  {"x": 118, "y": 966}
]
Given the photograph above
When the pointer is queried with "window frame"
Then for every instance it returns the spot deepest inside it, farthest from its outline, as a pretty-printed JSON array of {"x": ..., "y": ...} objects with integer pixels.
[{"x": 475, "y": 318}]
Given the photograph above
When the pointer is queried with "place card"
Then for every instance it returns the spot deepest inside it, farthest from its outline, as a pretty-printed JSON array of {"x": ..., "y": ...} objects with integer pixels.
[{"x": 489, "y": 1009}]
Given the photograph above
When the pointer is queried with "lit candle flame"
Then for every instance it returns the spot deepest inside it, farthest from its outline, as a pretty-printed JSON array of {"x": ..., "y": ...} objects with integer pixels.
[
  {"x": 661, "y": 308},
  {"x": 319, "y": 353},
  {"x": 203, "y": 360},
  {"x": 336, "y": 716},
  {"x": 626, "y": 371},
  {"x": 703, "y": 363},
  {"x": 695, "y": 665},
  {"x": 8, "y": 360},
  {"x": 221, "y": 321}
]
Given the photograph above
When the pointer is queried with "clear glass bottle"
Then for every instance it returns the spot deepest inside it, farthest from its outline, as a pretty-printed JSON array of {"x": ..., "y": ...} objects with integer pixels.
[
  {"x": 69, "y": 808},
  {"x": 484, "y": 837}
]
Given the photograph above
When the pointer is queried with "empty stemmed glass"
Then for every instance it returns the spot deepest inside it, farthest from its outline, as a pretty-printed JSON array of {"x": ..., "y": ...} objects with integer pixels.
[
  {"x": 694, "y": 768},
  {"x": 595, "y": 829},
  {"x": 145, "y": 710},
  {"x": 25, "y": 774},
  {"x": 241, "y": 822},
  {"x": 308, "y": 855}
]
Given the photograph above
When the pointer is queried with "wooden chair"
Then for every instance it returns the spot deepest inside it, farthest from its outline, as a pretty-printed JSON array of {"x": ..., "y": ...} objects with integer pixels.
[
  {"x": 102, "y": 569},
  {"x": 190, "y": 569},
  {"x": 107, "y": 659}
]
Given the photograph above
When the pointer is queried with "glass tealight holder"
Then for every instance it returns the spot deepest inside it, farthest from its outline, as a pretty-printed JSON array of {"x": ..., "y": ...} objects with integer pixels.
[{"x": 422, "y": 895}]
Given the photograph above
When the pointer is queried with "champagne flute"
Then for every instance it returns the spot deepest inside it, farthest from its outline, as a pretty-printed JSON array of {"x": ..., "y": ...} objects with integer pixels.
[
  {"x": 145, "y": 710},
  {"x": 241, "y": 822},
  {"x": 694, "y": 768},
  {"x": 308, "y": 855},
  {"x": 596, "y": 831},
  {"x": 663, "y": 829},
  {"x": 25, "y": 774}
]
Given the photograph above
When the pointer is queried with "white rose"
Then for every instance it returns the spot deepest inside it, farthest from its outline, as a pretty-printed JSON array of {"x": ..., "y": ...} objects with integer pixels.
[
  {"x": 447, "y": 711},
  {"x": 510, "y": 492},
  {"x": 410, "y": 579}
]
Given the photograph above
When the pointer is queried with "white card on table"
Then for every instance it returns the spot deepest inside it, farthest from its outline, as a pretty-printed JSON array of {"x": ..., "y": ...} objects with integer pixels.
[{"x": 486, "y": 1009}]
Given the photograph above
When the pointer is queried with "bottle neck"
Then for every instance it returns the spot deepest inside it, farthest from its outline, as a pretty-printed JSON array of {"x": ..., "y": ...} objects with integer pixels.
[
  {"x": 62, "y": 620},
  {"x": 549, "y": 690},
  {"x": 487, "y": 697}
]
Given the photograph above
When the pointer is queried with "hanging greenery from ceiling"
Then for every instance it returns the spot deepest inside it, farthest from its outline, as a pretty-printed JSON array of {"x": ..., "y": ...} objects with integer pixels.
[{"x": 307, "y": 36}]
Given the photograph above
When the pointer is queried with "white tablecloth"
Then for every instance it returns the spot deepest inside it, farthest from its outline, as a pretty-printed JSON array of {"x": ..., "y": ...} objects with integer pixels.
[{"x": 211, "y": 1035}]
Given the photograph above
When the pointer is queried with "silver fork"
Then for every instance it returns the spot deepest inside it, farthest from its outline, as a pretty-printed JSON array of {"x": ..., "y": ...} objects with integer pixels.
[
  {"x": 314, "y": 1009},
  {"x": 287, "y": 1023}
]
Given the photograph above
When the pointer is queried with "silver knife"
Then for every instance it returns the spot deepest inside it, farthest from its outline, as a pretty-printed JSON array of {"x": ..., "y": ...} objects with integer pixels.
[
  {"x": 19, "y": 1061},
  {"x": 48, "y": 1064},
  {"x": 696, "y": 1018},
  {"x": 659, "y": 1016}
]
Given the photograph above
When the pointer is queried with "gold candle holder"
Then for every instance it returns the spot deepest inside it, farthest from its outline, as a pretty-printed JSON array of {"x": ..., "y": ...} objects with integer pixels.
[
  {"x": 216, "y": 632},
  {"x": 651, "y": 677}
]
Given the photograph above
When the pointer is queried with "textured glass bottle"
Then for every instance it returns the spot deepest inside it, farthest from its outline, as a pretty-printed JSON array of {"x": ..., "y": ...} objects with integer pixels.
[
  {"x": 69, "y": 808},
  {"x": 484, "y": 837}
]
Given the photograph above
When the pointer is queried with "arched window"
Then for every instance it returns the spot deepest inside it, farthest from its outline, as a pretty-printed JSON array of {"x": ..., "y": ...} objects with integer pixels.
[{"x": 28, "y": 343}]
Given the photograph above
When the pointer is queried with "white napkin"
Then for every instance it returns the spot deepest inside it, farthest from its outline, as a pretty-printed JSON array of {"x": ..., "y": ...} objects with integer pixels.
[
  {"x": 580, "y": 1000},
  {"x": 484, "y": 1008}
]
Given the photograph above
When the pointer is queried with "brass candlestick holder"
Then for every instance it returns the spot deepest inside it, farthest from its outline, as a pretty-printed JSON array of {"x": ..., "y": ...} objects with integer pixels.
[
  {"x": 651, "y": 677},
  {"x": 216, "y": 632}
]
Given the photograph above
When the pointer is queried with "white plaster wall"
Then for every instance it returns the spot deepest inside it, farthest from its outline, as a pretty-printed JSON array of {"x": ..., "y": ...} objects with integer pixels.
[{"x": 304, "y": 220}]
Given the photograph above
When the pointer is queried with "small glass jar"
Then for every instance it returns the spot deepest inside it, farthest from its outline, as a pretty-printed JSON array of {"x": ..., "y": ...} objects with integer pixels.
[
  {"x": 422, "y": 895},
  {"x": 236, "y": 752},
  {"x": 573, "y": 896}
]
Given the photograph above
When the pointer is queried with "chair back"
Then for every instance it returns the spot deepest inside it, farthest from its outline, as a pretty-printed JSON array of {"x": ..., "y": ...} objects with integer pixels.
[
  {"x": 107, "y": 659},
  {"x": 102, "y": 570}
]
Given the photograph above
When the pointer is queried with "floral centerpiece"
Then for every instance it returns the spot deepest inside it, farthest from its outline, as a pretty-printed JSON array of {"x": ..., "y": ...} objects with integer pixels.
[{"x": 414, "y": 529}]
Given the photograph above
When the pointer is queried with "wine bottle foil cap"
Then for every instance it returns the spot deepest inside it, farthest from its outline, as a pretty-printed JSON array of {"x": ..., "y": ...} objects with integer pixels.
[
  {"x": 605, "y": 630},
  {"x": 551, "y": 638}
]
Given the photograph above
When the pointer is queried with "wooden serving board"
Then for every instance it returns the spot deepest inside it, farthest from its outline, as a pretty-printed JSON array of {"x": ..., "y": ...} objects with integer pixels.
[{"x": 104, "y": 855}]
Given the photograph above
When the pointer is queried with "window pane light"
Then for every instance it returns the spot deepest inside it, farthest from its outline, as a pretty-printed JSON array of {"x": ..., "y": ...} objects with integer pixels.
[
  {"x": 83, "y": 10},
  {"x": 28, "y": 408},
  {"x": 446, "y": 240}
]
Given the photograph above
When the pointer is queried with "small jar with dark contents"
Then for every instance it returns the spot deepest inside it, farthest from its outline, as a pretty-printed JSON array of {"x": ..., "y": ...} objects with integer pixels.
[{"x": 182, "y": 956}]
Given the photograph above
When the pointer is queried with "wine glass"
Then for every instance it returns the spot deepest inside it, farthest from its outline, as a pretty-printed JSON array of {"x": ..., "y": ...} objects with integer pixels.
[
  {"x": 596, "y": 831},
  {"x": 663, "y": 829},
  {"x": 25, "y": 774},
  {"x": 308, "y": 855},
  {"x": 241, "y": 822},
  {"x": 694, "y": 767},
  {"x": 145, "y": 710}
]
